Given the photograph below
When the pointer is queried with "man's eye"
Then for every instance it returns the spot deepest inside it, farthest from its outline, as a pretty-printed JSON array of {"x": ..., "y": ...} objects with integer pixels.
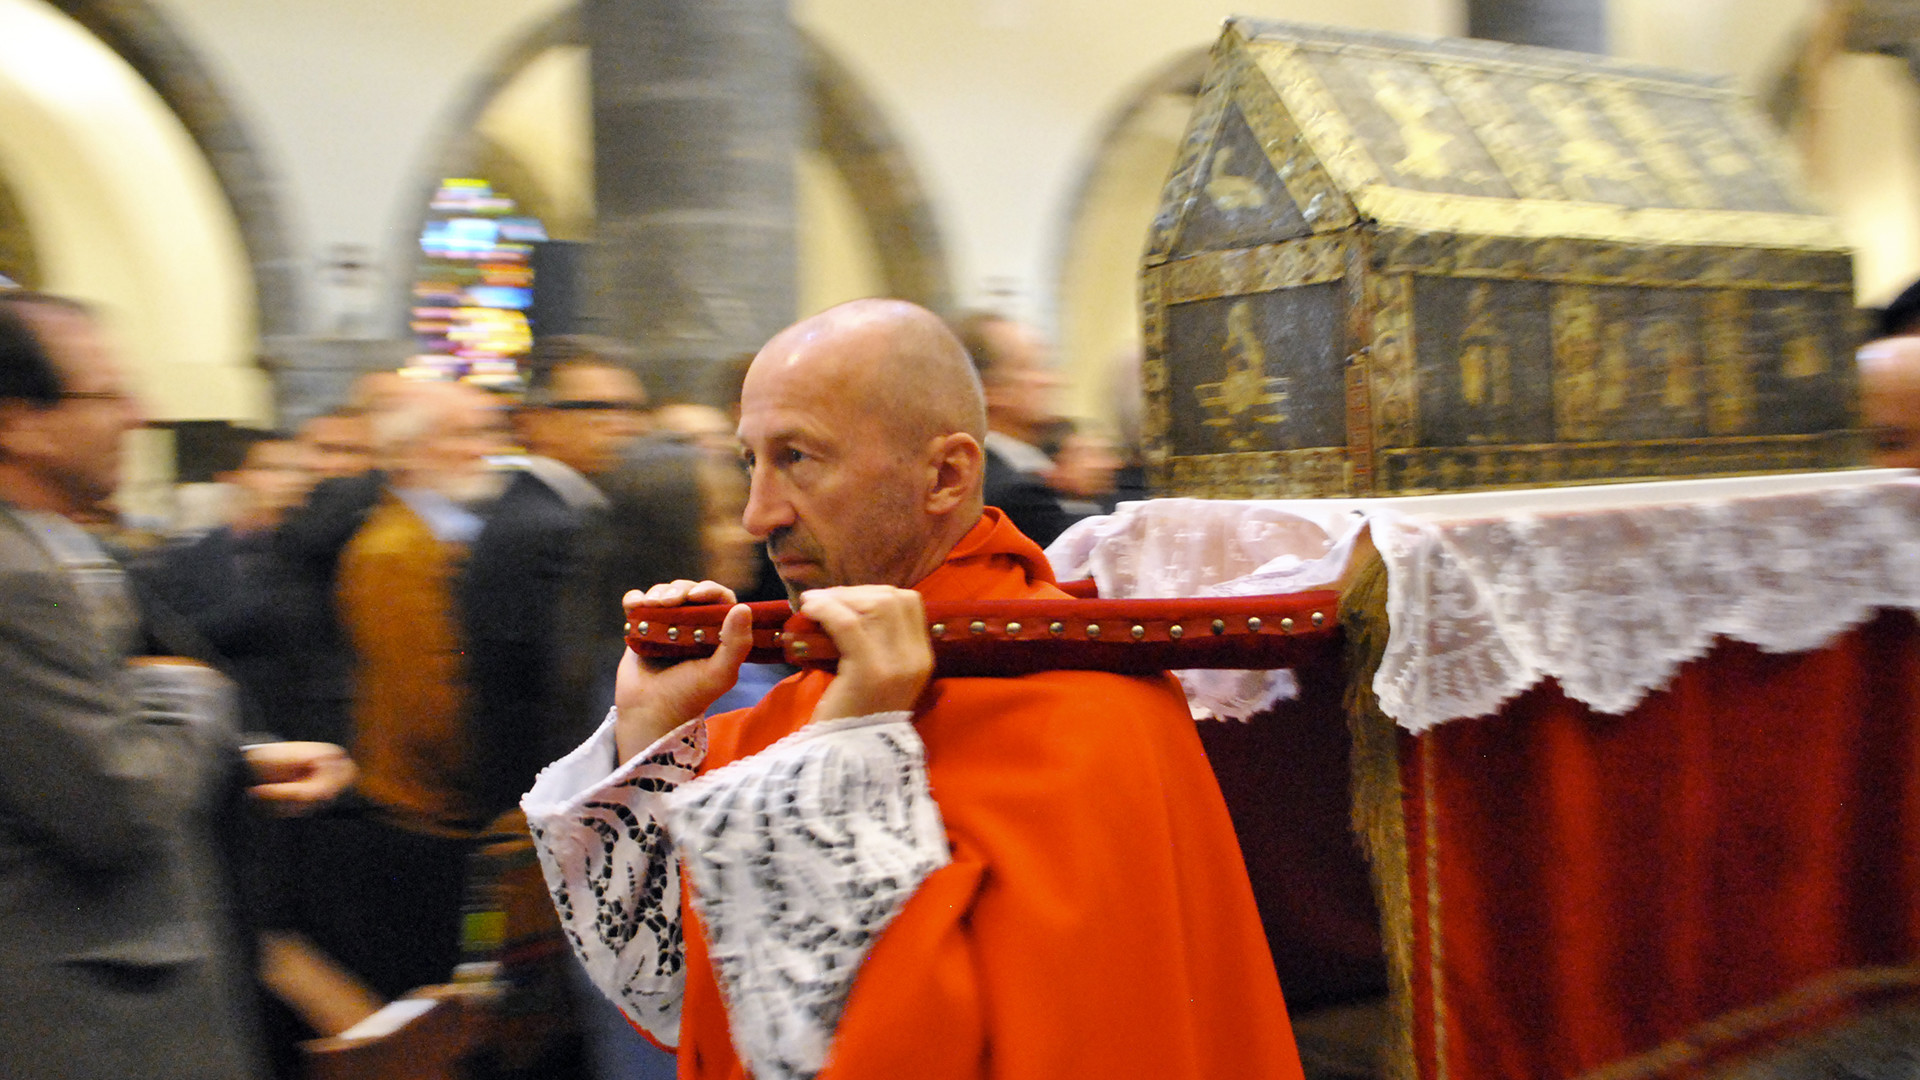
[{"x": 792, "y": 456}]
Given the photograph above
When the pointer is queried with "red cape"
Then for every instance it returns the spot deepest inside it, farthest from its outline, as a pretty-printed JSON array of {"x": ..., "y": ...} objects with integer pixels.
[{"x": 1096, "y": 919}]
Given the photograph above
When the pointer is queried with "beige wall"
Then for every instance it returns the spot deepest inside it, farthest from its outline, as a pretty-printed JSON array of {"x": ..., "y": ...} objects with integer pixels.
[
  {"x": 1000, "y": 104},
  {"x": 125, "y": 213}
]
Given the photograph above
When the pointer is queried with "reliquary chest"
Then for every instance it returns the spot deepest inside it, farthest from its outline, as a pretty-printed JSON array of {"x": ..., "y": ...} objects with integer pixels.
[{"x": 1386, "y": 265}]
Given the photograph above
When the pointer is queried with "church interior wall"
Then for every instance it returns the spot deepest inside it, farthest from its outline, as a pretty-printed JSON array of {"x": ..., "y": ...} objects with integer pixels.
[{"x": 1006, "y": 109}]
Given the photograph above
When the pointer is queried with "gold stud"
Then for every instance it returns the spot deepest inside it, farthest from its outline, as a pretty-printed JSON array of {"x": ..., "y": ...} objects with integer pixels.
[
  {"x": 1253, "y": 625},
  {"x": 1138, "y": 631},
  {"x": 700, "y": 636},
  {"x": 643, "y": 629},
  {"x": 1219, "y": 626},
  {"x": 799, "y": 648},
  {"x": 977, "y": 626},
  {"x": 938, "y": 629},
  {"x": 629, "y": 628},
  {"x": 1176, "y": 631},
  {"x": 1319, "y": 618},
  {"x": 673, "y": 633},
  {"x": 1056, "y": 629},
  {"x": 1286, "y": 626},
  {"x": 1093, "y": 629},
  {"x": 1013, "y": 629}
]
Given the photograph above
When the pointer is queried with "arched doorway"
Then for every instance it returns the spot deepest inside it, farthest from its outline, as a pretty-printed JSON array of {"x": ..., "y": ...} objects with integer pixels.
[{"x": 1103, "y": 234}]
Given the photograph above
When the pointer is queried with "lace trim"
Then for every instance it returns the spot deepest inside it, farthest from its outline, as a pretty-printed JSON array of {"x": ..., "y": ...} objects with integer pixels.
[
  {"x": 1610, "y": 604},
  {"x": 610, "y": 865},
  {"x": 801, "y": 855},
  {"x": 1609, "y": 600}
]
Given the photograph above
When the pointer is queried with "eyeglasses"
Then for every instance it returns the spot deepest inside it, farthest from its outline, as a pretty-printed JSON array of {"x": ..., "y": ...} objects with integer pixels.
[{"x": 591, "y": 404}]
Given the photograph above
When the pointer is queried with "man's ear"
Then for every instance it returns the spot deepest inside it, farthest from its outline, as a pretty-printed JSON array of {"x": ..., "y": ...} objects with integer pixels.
[
  {"x": 957, "y": 462},
  {"x": 21, "y": 434}
]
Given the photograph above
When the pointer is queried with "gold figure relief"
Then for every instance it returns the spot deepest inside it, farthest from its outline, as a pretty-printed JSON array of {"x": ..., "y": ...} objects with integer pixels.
[
  {"x": 1667, "y": 161},
  {"x": 1391, "y": 367},
  {"x": 1229, "y": 191},
  {"x": 1576, "y": 364},
  {"x": 1667, "y": 345},
  {"x": 1486, "y": 111},
  {"x": 1806, "y": 354},
  {"x": 1730, "y": 403},
  {"x": 1486, "y": 366},
  {"x": 1412, "y": 108},
  {"x": 1584, "y": 156},
  {"x": 1724, "y": 156},
  {"x": 1616, "y": 367},
  {"x": 1247, "y": 389}
]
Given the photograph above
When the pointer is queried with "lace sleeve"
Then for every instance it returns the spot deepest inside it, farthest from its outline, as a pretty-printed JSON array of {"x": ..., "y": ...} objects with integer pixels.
[
  {"x": 801, "y": 855},
  {"x": 612, "y": 870}
]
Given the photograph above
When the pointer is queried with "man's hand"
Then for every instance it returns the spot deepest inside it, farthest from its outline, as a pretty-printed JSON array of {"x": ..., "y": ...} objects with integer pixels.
[
  {"x": 295, "y": 778},
  {"x": 655, "y": 699},
  {"x": 886, "y": 656}
]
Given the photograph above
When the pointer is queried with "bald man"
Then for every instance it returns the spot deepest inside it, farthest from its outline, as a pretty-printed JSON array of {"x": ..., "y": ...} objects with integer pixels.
[
  {"x": 1890, "y": 400},
  {"x": 893, "y": 875}
]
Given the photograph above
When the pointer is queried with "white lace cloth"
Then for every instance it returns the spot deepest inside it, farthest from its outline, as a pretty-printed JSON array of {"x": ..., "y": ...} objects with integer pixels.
[
  {"x": 612, "y": 870},
  {"x": 1606, "y": 590},
  {"x": 800, "y": 856}
]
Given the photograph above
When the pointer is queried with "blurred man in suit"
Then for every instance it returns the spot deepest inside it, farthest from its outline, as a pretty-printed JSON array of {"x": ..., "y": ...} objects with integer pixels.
[
  {"x": 119, "y": 955},
  {"x": 1041, "y": 490}
]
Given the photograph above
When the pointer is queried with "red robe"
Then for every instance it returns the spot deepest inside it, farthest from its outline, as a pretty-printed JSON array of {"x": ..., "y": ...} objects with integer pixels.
[{"x": 1095, "y": 920}]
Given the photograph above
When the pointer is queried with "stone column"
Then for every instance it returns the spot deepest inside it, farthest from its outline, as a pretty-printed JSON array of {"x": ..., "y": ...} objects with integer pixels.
[
  {"x": 696, "y": 118},
  {"x": 1580, "y": 25}
]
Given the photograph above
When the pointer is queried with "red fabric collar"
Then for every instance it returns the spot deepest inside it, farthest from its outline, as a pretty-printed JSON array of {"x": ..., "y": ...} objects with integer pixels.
[{"x": 994, "y": 561}]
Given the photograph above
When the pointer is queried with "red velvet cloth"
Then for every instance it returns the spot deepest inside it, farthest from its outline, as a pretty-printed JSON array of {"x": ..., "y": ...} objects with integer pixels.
[{"x": 1603, "y": 886}]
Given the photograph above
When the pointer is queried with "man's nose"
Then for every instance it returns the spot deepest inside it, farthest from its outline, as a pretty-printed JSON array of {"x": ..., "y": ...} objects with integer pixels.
[{"x": 767, "y": 508}]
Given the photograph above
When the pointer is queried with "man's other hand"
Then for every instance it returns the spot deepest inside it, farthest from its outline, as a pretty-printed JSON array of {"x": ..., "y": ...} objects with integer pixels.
[
  {"x": 295, "y": 778},
  {"x": 653, "y": 699},
  {"x": 886, "y": 656}
]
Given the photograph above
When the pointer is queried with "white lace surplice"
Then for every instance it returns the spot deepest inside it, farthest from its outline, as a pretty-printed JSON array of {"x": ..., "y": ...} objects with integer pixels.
[
  {"x": 1607, "y": 590},
  {"x": 800, "y": 856}
]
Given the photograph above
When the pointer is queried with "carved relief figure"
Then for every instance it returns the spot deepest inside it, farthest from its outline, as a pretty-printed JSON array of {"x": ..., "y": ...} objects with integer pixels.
[
  {"x": 1666, "y": 344},
  {"x": 1229, "y": 191},
  {"x": 1584, "y": 156},
  {"x": 1616, "y": 368},
  {"x": 1411, "y": 106},
  {"x": 1576, "y": 355},
  {"x": 1806, "y": 354},
  {"x": 1486, "y": 365},
  {"x": 1729, "y": 366},
  {"x": 1246, "y": 388}
]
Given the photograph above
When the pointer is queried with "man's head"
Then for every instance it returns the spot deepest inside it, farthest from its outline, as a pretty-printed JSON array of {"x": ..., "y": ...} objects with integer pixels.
[
  {"x": 1021, "y": 389},
  {"x": 64, "y": 407},
  {"x": 582, "y": 409},
  {"x": 338, "y": 444},
  {"x": 1890, "y": 400},
  {"x": 862, "y": 428},
  {"x": 437, "y": 436},
  {"x": 273, "y": 479}
]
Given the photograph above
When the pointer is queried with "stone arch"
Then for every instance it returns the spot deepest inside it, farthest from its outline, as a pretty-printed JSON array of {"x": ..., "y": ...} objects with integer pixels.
[
  {"x": 1096, "y": 253},
  {"x": 848, "y": 128},
  {"x": 18, "y": 259},
  {"x": 142, "y": 35}
]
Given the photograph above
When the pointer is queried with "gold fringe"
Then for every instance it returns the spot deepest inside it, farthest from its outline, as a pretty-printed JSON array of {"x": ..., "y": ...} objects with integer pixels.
[
  {"x": 1378, "y": 818},
  {"x": 1688, "y": 1052}
]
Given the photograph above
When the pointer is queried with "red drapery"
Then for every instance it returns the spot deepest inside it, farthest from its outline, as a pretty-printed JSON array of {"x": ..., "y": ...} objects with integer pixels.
[{"x": 1734, "y": 862}]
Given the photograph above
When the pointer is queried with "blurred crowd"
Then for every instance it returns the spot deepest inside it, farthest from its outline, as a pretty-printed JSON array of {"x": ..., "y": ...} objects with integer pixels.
[{"x": 430, "y": 575}]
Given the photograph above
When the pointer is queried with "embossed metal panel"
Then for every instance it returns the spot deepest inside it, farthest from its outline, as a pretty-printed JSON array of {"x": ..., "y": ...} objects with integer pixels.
[{"x": 1394, "y": 265}]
